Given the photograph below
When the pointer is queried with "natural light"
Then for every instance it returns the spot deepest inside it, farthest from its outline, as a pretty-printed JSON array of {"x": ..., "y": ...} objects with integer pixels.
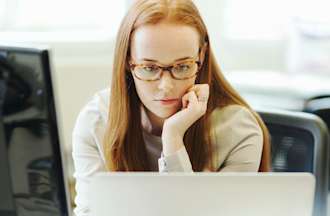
[
  {"x": 270, "y": 20},
  {"x": 61, "y": 19},
  {"x": 61, "y": 16}
]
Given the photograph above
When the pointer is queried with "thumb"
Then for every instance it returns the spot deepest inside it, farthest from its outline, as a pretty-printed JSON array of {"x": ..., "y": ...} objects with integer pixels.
[{"x": 185, "y": 101}]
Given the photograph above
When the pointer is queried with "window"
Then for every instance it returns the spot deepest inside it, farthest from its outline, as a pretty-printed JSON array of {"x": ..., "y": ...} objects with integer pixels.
[
  {"x": 62, "y": 18},
  {"x": 269, "y": 20}
]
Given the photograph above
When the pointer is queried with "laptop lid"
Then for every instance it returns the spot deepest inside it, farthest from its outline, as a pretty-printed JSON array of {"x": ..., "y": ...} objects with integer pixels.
[{"x": 196, "y": 194}]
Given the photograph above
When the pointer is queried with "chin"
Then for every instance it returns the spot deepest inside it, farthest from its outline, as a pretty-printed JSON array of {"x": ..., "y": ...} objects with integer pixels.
[{"x": 165, "y": 114}]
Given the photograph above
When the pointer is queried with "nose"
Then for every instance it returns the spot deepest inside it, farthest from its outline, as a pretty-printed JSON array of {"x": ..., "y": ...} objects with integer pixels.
[{"x": 166, "y": 82}]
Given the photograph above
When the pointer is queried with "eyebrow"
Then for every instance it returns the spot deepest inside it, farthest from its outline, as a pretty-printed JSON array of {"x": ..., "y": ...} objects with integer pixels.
[{"x": 179, "y": 59}]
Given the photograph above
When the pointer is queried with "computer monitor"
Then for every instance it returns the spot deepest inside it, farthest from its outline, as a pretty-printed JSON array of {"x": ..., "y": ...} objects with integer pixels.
[{"x": 32, "y": 179}]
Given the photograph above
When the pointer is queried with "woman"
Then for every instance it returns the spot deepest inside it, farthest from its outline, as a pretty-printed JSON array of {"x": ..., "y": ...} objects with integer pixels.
[{"x": 169, "y": 107}]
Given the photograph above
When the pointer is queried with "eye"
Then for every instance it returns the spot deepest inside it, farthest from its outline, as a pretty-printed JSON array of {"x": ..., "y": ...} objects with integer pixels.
[
  {"x": 150, "y": 68},
  {"x": 182, "y": 67}
]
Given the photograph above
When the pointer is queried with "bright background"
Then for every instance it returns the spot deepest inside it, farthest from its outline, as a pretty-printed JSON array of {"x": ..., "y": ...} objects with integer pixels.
[{"x": 254, "y": 35}]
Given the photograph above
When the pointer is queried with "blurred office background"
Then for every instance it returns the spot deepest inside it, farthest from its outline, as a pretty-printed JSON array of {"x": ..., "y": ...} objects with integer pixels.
[{"x": 274, "y": 46}]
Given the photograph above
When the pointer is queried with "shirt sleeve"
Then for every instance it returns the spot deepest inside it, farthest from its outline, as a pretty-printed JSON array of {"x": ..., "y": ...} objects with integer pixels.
[
  {"x": 238, "y": 143},
  {"x": 245, "y": 157},
  {"x": 176, "y": 162},
  {"x": 87, "y": 154},
  {"x": 241, "y": 141}
]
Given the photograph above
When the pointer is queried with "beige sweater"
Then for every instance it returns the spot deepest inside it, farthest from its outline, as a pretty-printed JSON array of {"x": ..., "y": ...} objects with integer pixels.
[{"x": 236, "y": 136}]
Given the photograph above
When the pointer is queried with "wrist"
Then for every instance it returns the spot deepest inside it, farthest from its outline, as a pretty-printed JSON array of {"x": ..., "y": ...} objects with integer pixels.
[
  {"x": 172, "y": 142},
  {"x": 172, "y": 131}
]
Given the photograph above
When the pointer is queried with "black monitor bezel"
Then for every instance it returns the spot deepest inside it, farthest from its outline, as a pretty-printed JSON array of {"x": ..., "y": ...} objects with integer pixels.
[{"x": 52, "y": 119}]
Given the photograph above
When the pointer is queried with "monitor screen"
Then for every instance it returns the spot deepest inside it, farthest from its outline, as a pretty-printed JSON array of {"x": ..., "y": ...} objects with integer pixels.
[{"x": 32, "y": 181}]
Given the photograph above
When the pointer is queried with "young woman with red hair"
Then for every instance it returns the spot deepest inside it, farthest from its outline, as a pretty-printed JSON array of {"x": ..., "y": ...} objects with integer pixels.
[{"x": 169, "y": 107}]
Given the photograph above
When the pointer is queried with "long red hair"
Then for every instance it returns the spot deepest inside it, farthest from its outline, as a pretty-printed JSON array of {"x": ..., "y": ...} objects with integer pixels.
[{"x": 124, "y": 146}]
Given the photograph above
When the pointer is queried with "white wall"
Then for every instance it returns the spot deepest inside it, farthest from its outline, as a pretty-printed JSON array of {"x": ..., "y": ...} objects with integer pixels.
[
  {"x": 79, "y": 72},
  {"x": 239, "y": 54}
]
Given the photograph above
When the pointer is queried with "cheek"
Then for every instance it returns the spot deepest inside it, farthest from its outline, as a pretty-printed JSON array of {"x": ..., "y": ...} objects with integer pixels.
[
  {"x": 148, "y": 91},
  {"x": 184, "y": 86},
  {"x": 144, "y": 90}
]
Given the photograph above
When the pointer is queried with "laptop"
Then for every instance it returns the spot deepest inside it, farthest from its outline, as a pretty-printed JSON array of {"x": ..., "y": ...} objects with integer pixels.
[
  {"x": 32, "y": 180},
  {"x": 202, "y": 194}
]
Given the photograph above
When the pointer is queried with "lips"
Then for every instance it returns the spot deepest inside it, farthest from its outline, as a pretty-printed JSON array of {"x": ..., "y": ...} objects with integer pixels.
[{"x": 168, "y": 101}]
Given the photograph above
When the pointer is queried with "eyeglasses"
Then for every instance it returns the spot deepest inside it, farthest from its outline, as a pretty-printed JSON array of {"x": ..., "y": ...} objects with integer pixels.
[{"x": 151, "y": 71}]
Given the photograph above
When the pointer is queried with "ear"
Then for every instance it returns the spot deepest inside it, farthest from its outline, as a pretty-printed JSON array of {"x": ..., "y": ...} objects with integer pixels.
[{"x": 202, "y": 52}]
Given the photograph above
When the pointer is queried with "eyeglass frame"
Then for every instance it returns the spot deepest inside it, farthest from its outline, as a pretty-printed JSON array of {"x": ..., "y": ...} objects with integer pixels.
[{"x": 165, "y": 68}]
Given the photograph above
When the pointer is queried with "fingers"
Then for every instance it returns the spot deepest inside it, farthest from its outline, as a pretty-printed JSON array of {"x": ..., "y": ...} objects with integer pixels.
[
  {"x": 197, "y": 94},
  {"x": 189, "y": 98},
  {"x": 201, "y": 91}
]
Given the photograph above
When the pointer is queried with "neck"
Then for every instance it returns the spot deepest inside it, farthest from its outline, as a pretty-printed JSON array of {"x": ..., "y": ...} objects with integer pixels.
[{"x": 151, "y": 123}]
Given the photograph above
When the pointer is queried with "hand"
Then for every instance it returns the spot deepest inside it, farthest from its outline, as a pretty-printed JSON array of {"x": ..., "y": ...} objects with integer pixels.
[{"x": 194, "y": 106}]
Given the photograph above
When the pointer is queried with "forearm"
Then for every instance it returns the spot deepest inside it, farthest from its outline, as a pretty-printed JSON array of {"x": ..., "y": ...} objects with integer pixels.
[
  {"x": 174, "y": 156},
  {"x": 177, "y": 162},
  {"x": 172, "y": 142}
]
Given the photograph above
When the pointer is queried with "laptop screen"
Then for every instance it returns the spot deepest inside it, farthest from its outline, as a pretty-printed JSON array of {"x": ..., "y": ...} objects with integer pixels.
[{"x": 31, "y": 168}]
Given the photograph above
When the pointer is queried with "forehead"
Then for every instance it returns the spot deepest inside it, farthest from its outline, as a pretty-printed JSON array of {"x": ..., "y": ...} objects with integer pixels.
[{"x": 164, "y": 42}]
